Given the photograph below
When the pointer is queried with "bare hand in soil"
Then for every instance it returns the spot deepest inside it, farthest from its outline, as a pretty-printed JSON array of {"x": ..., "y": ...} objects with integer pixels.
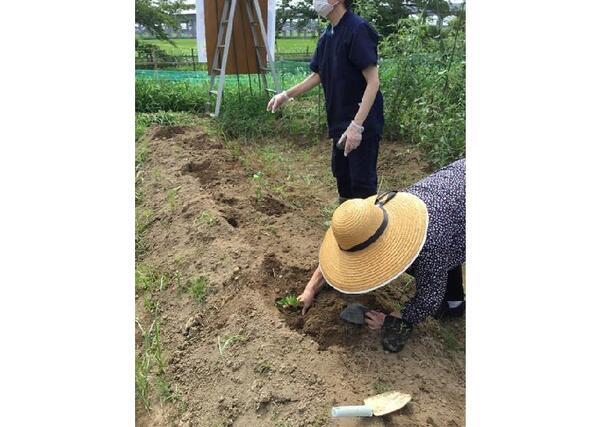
[
  {"x": 312, "y": 288},
  {"x": 306, "y": 298},
  {"x": 374, "y": 319}
]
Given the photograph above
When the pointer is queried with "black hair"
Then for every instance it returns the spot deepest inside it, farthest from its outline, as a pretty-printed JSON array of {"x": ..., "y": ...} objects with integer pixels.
[{"x": 348, "y": 4}]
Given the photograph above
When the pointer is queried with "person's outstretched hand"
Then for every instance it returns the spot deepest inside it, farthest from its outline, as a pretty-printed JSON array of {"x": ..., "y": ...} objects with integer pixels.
[
  {"x": 277, "y": 101},
  {"x": 312, "y": 288}
]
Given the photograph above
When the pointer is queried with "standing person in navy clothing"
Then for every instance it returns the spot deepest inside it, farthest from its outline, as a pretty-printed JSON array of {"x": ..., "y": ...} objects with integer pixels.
[{"x": 345, "y": 63}]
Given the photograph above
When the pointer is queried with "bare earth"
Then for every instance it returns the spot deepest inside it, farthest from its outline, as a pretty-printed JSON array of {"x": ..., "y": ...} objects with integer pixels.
[{"x": 280, "y": 369}]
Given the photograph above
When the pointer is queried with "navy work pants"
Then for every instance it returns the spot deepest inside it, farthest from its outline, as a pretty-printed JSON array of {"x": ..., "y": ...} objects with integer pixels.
[{"x": 356, "y": 174}]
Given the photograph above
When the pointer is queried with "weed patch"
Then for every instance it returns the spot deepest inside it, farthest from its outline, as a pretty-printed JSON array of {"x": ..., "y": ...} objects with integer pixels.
[
  {"x": 143, "y": 220},
  {"x": 149, "y": 363},
  {"x": 197, "y": 288},
  {"x": 449, "y": 337}
]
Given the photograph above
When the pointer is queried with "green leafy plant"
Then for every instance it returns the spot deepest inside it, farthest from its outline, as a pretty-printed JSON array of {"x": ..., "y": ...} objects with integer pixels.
[
  {"x": 207, "y": 218},
  {"x": 197, "y": 288},
  {"x": 289, "y": 301}
]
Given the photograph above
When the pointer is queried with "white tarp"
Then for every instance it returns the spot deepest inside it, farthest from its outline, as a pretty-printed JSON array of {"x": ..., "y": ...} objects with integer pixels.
[{"x": 201, "y": 35}]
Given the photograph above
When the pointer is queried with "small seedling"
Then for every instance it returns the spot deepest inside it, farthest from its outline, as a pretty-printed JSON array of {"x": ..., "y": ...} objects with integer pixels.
[
  {"x": 289, "y": 301},
  {"x": 263, "y": 369},
  {"x": 259, "y": 181},
  {"x": 398, "y": 307},
  {"x": 139, "y": 196},
  {"x": 206, "y": 218},
  {"x": 172, "y": 196},
  {"x": 227, "y": 341},
  {"x": 150, "y": 304},
  {"x": 177, "y": 279},
  {"x": 197, "y": 287},
  {"x": 327, "y": 213}
]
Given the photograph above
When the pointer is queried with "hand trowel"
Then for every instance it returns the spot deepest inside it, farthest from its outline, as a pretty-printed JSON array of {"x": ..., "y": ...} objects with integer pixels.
[{"x": 379, "y": 405}]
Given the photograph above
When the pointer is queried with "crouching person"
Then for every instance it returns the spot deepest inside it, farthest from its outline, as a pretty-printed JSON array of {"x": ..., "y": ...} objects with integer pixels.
[{"x": 420, "y": 231}]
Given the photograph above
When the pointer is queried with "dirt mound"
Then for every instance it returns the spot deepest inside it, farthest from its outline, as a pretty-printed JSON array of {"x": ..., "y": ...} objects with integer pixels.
[
  {"x": 231, "y": 356},
  {"x": 270, "y": 206},
  {"x": 166, "y": 132},
  {"x": 205, "y": 171}
]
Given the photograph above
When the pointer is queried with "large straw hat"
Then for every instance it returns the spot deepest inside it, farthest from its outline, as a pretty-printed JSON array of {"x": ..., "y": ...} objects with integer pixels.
[{"x": 372, "y": 241}]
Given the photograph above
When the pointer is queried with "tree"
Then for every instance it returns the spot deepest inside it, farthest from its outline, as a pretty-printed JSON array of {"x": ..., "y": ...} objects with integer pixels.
[
  {"x": 300, "y": 11},
  {"x": 385, "y": 15},
  {"x": 285, "y": 12},
  {"x": 156, "y": 15}
]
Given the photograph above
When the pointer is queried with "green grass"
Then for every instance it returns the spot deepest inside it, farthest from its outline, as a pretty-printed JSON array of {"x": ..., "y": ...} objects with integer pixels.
[
  {"x": 296, "y": 45},
  {"x": 197, "y": 288},
  {"x": 327, "y": 212},
  {"x": 182, "y": 46},
  {"x": 150, "y": 279},
  {"x": 284, "y": 45},
  {"x": 149, "y": 362},
  {"x": 143, "y": 220}
]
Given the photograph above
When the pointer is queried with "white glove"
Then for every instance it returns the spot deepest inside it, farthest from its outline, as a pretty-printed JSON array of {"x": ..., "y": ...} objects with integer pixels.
[
  {"x": 278, "y": 101},
  {"x": 351, "y": 139}
]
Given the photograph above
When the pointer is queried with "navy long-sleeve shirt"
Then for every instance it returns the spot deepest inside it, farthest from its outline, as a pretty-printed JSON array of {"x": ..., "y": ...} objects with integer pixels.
[{"x": 342, "y": 53}]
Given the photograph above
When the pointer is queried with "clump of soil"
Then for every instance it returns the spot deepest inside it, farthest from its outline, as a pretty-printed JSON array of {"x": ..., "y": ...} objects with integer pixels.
[
  {"x": 270, "y": 206},
  {"x": 166, "y": 132},
  {"x": 205, "y": 171}
]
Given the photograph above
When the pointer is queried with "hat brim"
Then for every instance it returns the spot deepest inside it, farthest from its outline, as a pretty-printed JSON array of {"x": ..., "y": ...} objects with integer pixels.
[{"x": 386, "y": 258}]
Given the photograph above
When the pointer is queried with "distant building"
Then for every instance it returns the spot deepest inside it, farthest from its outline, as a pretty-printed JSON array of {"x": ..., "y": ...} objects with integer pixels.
[{"x": 300, "y": 28}]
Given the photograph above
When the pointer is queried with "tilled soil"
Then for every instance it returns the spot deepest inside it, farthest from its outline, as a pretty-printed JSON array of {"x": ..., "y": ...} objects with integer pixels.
[{"x": 281, "y": 368}]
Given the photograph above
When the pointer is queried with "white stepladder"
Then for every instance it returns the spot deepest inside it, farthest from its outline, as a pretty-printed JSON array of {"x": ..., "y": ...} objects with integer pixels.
[{"x": 219, "y": 63}]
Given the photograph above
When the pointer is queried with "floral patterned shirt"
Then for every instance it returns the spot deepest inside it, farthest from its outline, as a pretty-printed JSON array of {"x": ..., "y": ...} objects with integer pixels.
[{"x": 444, "y": 248}]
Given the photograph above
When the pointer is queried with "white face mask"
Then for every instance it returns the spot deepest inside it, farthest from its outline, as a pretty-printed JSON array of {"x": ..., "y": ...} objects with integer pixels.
[{"x": 322, "y": 7}]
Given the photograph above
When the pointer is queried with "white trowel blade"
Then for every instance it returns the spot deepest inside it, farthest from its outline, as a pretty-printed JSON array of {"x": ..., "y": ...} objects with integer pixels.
[{"x": 387, "y": 402}]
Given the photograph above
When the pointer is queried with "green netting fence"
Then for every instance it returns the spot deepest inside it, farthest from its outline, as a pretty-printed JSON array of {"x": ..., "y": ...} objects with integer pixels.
[{"x": 283, "y": 68}]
